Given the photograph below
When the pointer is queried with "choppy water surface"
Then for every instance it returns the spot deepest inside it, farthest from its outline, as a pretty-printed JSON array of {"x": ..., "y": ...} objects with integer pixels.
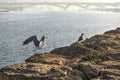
[{"x": 62, "y": 29}]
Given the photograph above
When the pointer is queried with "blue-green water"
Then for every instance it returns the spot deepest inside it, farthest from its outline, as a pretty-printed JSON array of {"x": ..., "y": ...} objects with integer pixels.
[{"x": 62, "y": 29}]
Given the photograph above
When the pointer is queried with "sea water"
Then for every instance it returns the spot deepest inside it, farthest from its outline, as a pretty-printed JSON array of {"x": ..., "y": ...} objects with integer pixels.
[{"x": 62, "y": 29}]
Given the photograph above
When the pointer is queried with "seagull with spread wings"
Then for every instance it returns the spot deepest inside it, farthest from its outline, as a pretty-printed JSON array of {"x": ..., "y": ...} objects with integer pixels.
[{"x": 39, "y": 44}]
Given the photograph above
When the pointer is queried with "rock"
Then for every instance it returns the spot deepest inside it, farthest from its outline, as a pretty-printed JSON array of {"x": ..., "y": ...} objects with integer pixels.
[
  {"x": 76, "y": 48},
  {"x": 26, "y": 71},
  {"x": 110, "y": 74},
  {"x": 111, "y": 64},
  {"x": 47, "y": 58},
  {"x": 88, "y": 69},
  {"x": 113, "y": 31},
  {"x": 96, "y": 58}
]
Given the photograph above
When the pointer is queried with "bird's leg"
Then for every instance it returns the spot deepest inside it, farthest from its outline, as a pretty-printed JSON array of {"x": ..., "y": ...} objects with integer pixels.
[{"x": 40, "y": 50}]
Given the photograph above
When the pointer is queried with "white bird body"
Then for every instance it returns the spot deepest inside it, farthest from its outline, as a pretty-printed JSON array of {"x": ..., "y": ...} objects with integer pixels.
[{"x": 42, "y": 44}]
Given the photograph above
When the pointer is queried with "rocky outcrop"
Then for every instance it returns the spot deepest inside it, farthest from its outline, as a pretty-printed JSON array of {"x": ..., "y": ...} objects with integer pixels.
[
  {"x": 95, "y": 58},
  {"x": 41, "y": 67}
]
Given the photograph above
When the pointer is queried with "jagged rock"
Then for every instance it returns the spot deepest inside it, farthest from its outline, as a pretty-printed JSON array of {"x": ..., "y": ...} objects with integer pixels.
[
  {"x": 78, "y": 49},
  {"x": 111, "y": 64},
  {"x": 88, "y": 69},
  {"x": 38, "y": 71},
  {"x": 113, "y": 31},
  {"x": 27, "y": 71},
  {"x": 96, "y": 58},
  {"x": 47, "y": 58},
  {"x": 110, "y": 74}
]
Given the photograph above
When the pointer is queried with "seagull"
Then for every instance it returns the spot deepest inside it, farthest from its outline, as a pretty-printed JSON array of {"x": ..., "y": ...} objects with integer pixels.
[
  {"x": 81, "y": 37},
  {"x": 39, "y": 44}
]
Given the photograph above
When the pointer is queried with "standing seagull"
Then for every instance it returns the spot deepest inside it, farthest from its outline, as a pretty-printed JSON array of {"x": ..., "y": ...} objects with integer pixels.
[
  {"x": 81, "y": 37},
  {"x": 38, "y": 44}
]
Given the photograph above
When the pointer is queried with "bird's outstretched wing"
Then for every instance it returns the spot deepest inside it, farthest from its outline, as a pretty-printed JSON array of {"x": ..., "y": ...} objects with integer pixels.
[
  {"x": 30, "y": 39},
  {"x": 42, "y": 39}
]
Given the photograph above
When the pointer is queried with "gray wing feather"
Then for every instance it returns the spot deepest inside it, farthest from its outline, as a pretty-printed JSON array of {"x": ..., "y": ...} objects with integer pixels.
[{"x": 30, "y": 39}]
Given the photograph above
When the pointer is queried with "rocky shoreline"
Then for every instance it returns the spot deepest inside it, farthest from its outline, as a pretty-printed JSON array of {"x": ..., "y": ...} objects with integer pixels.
[{"x": 96, "y": 58}]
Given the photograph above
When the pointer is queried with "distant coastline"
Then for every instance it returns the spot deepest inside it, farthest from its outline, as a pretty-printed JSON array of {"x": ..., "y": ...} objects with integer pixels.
[{"x": 47, "y": 10}]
